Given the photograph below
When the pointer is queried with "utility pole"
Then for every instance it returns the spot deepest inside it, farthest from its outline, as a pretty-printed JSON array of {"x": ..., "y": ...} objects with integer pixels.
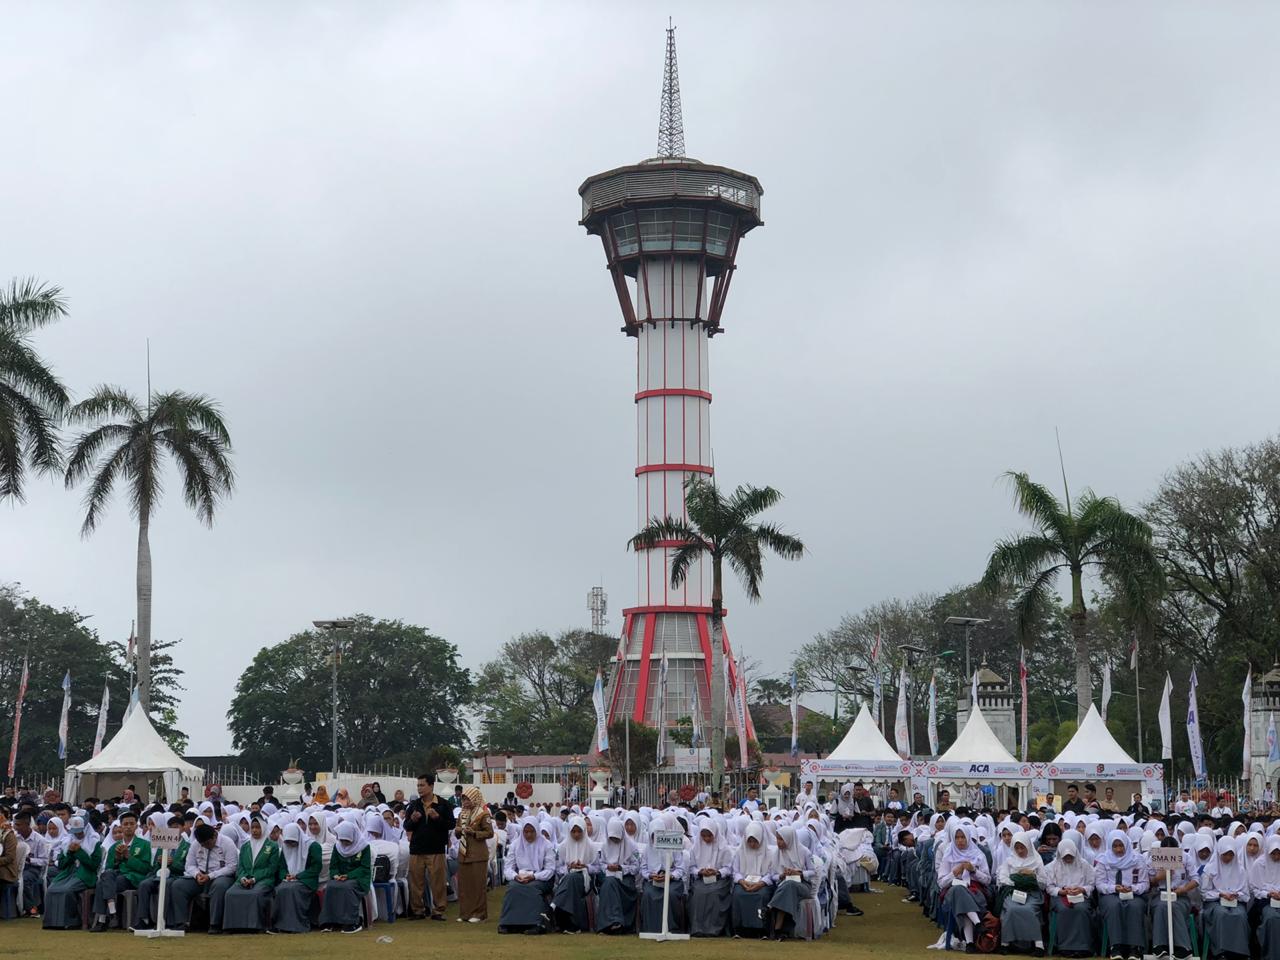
[{"x": 331, "y": 627}]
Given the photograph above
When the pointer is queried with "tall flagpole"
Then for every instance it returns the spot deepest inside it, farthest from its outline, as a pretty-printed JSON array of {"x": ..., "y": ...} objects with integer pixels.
[{"x": 1137, "y": 691}]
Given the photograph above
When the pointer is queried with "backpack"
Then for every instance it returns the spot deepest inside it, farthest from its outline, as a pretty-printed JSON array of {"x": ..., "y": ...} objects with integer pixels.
[
  {"x": 382, "y": 868},
  {"x": 987, "y": 937}
]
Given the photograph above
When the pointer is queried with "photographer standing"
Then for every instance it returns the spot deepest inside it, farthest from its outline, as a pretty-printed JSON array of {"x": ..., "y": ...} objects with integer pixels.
[{"x": 428, "y": 819}]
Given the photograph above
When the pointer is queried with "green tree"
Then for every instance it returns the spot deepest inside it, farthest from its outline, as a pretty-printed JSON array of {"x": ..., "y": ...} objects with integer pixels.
[
  {"x": 644, "y": 747},
  {"x": 817, "y": 733},
  {"x": 723, "y": 529},
  {"x": 54, "y": 641},
  {"x": 128, "y": 442},
  {"x": 399, "y": 687},
  {"x": 1094, "y": 533},
  {"x": 772, "y": 690},
  {"x": 538, "y": 692},
  {"x": 32, "y": 399}
]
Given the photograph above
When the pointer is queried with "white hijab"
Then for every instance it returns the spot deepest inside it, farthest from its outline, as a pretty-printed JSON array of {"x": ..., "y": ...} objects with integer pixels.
[
  {"x": 709, "y": 856},
  {"x": 579, "y": 851},
  {"x": 759, "y": 862},
  {"x": 1076, "y": 873},
  {"x": 296, "y": 846},
  {"x": 350, "y": 839},
  {"x": 619, "y": 848}
]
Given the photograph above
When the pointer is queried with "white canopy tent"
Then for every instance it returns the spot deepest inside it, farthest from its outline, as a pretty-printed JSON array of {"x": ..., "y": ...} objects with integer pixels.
[
  {"x": 135, "y": 755},
  {"x": 864, "y": 741},
  {"x": 1093, "y": 743},
  {"x": 977, "y": 744}
]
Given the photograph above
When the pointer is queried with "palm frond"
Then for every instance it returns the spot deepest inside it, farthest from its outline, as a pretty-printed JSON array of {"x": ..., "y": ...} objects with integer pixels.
[
  {"x": 664, "y": 528},
  {"x": 27, "y": 304},
  {"x": 22, "y": 368},
  {"x": 783, "y": 544},
  {"x": 106, "y": 401},
  {"x": 87, "y": 446},
  {"x": 1017, "y": 561},
  {"x": 1034, "y": 596},
  {"x": 29, "y": 434},
  {"x": 1037, "y": 504},
  {"x": 683, "y": 559},
  {"x": 104, "y": 477},
  {"x": 748, "y": 501},
  {"x": 748, "y": 570}
]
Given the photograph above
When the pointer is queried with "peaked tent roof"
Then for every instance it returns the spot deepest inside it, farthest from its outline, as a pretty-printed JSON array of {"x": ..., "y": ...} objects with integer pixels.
[
  {"x": 1093, "y": 743},
  {"x": 977, "y": 744},
  {"x": 137, "y": 748},
  {"x": 864, "y": 741}
]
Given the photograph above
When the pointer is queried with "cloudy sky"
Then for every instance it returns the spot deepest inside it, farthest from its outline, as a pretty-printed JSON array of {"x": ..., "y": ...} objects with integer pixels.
[{"x": 355, "y": 225}]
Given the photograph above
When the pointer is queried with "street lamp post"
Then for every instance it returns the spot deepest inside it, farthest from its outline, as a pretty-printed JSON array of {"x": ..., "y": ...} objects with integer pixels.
[
  {"x": 911, "y": 651},
  {"x": 968, "y": 623},
  {"x": 331, "y": 627}
]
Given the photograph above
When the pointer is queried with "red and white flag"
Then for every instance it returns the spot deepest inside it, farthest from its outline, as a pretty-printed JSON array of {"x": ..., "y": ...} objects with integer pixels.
[
  {"x": 1022, "y": 679},
  {"x": 1133, "y": 653},
  {"x": 133, "y": 639},
  {"x": 17, "y": 719}
]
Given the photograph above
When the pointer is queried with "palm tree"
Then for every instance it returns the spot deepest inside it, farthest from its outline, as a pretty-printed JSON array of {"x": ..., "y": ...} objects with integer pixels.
[
  {"x": 128, "y": 442},
  {"x": 1098, "y": 534},
  {"x": 32, "y": 400},
  {"x": 722, "y": 528}
]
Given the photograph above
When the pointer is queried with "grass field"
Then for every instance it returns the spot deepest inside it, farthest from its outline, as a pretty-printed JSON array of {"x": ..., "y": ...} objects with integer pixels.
[{"x": 889, "y": 929}]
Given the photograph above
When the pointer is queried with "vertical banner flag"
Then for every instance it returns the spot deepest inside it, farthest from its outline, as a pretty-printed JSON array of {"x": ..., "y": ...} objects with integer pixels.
[
  {"x": 1022, "y": 680},
  {"x": 133, "y": 639},
  {"x": 973, "y": 692},
  {"x": 933, "y": 715},
  {"x": 1246, "y": 698},
  {"x": 1133, "y": 652},
  {"x": 795, "y": 716},
  {"x": 1273, "y": 745},
  {"x": 1166, "y": 721},
  {"x": 1106, "y": 687},
  {"x": 66, "y": 716},
  {"x": 695, "y": 717},
  {"x": 901, "y": 734},
  {"x": 876, "y": 699},
  {"x": 597, "y": 699},
  {"x": 660, "y": 715},
  {"x": 102, "y": 718},
  {"x": 1193, "y": 728},
  {"x": 17, "y": 719},
  {"x": 741, "y": 702}
]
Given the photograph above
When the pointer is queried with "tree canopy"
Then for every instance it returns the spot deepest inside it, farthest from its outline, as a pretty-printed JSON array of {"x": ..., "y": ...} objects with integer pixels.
[{"x": 401, "y": 693}]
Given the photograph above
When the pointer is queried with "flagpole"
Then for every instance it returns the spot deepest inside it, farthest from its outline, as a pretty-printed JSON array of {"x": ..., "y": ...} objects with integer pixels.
[{"x": 1137, "y": 692}]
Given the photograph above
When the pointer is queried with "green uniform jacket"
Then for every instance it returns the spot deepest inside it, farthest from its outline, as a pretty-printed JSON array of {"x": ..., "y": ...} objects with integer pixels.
[
  {"x": 177, "y": 860},
  {"x": 353, "y": 868},
  {"x": 81, "y": 865},
  {"x": 310, "y": 875},
  {"x": 136, "y": 865},
  {"x": 264, "y": 869}
]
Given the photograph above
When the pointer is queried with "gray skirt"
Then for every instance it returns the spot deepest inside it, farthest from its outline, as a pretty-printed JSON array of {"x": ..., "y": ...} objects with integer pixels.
[
  {"x": 341, "y": 907},
  {"x": 525, "y": 905},
  {"x": 1227, "y": 928},
  {"x": 1125, "y": 921},
  {"x": 247, "y": 908},
  {"x": 1269, "y": 930},
  {"x": 1157, "y": 916},
  {"x": 62, "y": 904},
  {"x": 750, "y": 911},
  {"x": 787, "y": 896},
  {"x": 709, "y": 906},
  {"x": 650, "y": 908},
  {"x": 1074, "y": 925},
  {"x": 1020, "y": 923},
  {"x": 571, "y": 902},
  {"x": 616, "y": 904},
  {"x": 292, "y": 910},
  {"x": 961, "y": 900}
]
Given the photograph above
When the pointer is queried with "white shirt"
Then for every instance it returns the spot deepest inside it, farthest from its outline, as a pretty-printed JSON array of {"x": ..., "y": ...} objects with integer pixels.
[
  {"x": 1220, "y": 812},
  {"x": 37, "y": 848},
  {"x": 1184, "y": 807},
  {"x": 217, "y": 862}
]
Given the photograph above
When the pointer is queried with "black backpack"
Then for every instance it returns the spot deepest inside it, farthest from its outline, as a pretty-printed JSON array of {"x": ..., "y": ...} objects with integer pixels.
[{"x": 382, "y": 868}]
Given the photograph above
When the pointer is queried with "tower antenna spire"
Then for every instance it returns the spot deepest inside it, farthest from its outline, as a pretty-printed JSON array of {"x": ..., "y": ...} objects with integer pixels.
[{"x": 670, "y": 118}]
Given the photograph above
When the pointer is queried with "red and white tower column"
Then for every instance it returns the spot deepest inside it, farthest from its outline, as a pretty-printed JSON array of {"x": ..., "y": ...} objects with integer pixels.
[{"x": 670, "y": 228}]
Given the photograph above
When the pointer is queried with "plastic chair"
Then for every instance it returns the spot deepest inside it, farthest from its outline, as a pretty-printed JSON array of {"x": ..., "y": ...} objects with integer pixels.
[
  {"x": 386, "y": 893},
  {"x": 126, "y": 901},
  {"x": 86, "y": 908}
]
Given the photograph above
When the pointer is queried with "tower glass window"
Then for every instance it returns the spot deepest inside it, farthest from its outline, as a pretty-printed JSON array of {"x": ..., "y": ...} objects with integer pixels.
[
  {"x": 624, "y": 233},
  {"x": 719, "y": 230}
]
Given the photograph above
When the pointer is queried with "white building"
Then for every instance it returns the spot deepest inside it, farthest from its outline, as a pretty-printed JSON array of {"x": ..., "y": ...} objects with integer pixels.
[{"x": 995, "y": 700}]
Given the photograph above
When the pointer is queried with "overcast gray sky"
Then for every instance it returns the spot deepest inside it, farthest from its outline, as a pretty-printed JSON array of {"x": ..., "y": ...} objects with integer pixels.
[{"x": 355, "y": 225}]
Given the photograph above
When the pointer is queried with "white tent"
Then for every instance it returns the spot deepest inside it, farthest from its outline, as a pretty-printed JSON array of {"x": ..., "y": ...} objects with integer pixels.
[
  {"x": 864, "y": 741},
  {"x": 977, "y": 744},
  {"x": 135, "y": 755},
  {"x": 1093, "y": 743}
]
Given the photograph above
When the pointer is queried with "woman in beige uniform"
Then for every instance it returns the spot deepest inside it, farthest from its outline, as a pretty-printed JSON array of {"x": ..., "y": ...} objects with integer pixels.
[{"x": 473, "y": 830}]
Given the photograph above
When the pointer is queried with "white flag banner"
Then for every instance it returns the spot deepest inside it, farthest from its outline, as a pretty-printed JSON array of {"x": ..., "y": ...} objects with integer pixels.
[
  {"x": 900, "y": 731},
  {"x": 1166, "y": 721},
  {"x": 1193, "y": 728},
  {"x": 933, "y": 715},
  {"x": 740, "y": 702},
  {"x": 597, "y": 699},
  {"x": 102, "y": 720},
  {"x": 1273, "y": 744},
  {"x": 1246, "y": 698},
  {"x": 795, "y": 716},
  {"x": 660, "y": 715},
  {"x": 695, "y": 717},
  {"x": 1106, "y": 688},
  {"x": 973, "y": 692}
]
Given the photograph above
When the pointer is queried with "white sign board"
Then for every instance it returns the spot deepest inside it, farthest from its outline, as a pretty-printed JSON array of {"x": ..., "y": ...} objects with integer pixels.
[
  {"x": 1166, "y": 858},
  {"x": 165, "y": 838},
  {"x": 667, "y": 840}
]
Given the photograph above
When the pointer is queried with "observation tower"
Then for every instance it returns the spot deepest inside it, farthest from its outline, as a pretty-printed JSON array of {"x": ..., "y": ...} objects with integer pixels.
[{"x": 670, "y": 227}]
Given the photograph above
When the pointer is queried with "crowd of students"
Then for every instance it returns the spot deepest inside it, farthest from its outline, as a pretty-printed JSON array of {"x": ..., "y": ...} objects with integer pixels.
[
  {"x": 292, "y": 868},
  {"x": 1010, "y": 880}
]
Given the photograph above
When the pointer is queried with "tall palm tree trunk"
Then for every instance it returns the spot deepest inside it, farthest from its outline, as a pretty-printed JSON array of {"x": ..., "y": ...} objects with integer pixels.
[
  {"x": 716, "y": 725},
  {"x": 1079, "y": 632},
  {"x": 143, "y": 649}
]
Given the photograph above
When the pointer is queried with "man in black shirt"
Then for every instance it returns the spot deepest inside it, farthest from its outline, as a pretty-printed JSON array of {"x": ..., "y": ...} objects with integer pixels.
[
  {"x": 1073, "y": 803},
  {"x": 428, "y": 820}
]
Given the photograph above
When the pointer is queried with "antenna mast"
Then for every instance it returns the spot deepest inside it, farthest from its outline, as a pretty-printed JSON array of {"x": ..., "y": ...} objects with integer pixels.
[{"x": 670, "y": 117}]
